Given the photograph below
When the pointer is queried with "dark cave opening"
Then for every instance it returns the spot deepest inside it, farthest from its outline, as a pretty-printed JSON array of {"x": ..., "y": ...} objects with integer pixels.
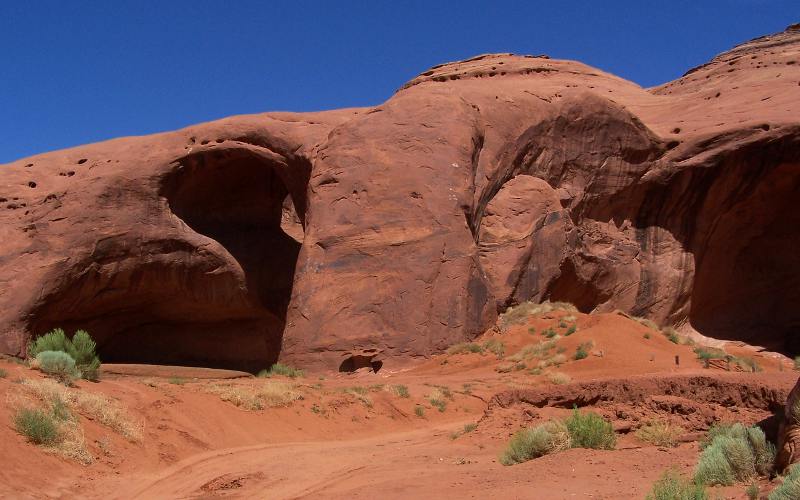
[
  {"x": 218, "y": 304},
  {"x": 747, "y": 275}
]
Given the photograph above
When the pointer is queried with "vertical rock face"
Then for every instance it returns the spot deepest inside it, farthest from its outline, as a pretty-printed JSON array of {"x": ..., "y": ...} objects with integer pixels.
[{"x": 360, "y": 237}]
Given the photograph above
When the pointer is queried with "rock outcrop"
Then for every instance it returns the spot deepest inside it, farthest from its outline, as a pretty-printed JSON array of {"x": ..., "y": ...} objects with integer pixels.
[{"x": 350, "y": 238}]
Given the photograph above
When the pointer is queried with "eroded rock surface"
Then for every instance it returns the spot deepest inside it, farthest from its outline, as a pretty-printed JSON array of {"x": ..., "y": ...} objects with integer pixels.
[{"x": 398, "y": 230}]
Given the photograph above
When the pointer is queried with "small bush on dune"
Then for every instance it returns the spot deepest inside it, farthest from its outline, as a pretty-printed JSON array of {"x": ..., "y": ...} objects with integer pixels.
[
  {"x": 38, "y": 426},
  {"x": 671, "y": 486},
  {"x": 3, "y": 373},
  {"x": 81, "y": 349},
  {"x": 281, "y": 369},
  {"x": 533, "y": 351},
  {"x": 538, "y": 441},
  {"x": 400, "y": 391},
  {"x": 465, "y": 348},
  {"x": 58, "y": 364},
  {"x": 752, "y": 492},
  {"x": 55, "y": 340},
  {"x": 735, "y": 453},
  {"x": 660, "y": 433},
  {"x": 790, "y": 488},
  {"x": 582, "y": 351},
  {"x": 269, "y": 395},
  {"x": 590, "y": 430},
  {"x": 495, "y": 347},
  {"x": 519, "y": 314}
]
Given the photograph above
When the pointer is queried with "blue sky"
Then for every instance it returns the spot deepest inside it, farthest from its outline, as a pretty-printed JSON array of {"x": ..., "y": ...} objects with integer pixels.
[{"x": 74, "y": 72}]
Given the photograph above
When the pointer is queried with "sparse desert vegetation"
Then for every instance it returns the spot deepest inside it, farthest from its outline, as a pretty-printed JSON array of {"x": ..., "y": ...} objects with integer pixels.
[
  {"x": 660, "y": 433},
  {"x": 266, "y": 394},
  {"x": 671, "y": 486},
  {"x": 734, "y": 453}
]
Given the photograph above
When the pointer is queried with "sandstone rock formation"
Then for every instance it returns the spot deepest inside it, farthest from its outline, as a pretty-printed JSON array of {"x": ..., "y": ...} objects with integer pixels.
[{"x": 349, "y": 238}]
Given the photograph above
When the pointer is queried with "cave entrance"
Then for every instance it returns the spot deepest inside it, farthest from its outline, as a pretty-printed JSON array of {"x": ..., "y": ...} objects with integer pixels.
[
  {"x": 216, "y": 298},
  {"x": 747, "y": 276}
]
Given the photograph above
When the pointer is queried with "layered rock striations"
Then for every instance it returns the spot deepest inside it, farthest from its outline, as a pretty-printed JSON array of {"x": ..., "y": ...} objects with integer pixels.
[{"x": 354, "y": 237}]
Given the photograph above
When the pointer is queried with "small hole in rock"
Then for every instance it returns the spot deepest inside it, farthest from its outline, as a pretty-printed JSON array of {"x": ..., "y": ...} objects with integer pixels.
[
  {"x": 31, "y": 184},
  {"x": 82, "y": 161}
]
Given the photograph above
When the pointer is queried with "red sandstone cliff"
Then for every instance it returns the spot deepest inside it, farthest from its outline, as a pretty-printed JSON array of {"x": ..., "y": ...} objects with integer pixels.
[{"x": 400, "y": 229}]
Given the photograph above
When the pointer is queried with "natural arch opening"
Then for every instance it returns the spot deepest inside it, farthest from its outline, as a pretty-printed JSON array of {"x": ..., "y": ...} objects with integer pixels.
[
  {"x": 217, "y": 298},
  {"x": 747, "y": 276}
]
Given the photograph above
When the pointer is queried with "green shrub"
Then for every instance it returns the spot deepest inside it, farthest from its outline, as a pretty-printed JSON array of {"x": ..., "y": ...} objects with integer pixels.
[
  {"x": 176, "y": 380},
  {"x": 752, "y": 492},
  {"x": 59, "y": 365},
  {"x": 81, "y": 349},
  {"x": 735, "y": 453},
  {"x": 582, "y": 351},
  {"x": 3, "y": 373},
  {"x": 671, "y": 486},
  {"x": 281, "y": 369},
  {"x": 707, "y": 353},
  {"x": 549, "y": 333},
  {"x": 572, "y": 329},
  {"x": 36, "y": 425},
  {"x": 673, "y": 337},
  {"x": 55, "y": 340},
  {"x": 419, "y": 411},
  {"x": 590, "y": 430},
  {"x": 465, "y": 348},
  {"x": 535, "y": 442},
  {"x": 790, "y": 488}
]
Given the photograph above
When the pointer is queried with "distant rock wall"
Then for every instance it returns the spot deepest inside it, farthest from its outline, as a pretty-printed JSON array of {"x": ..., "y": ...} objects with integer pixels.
[{"x": 359, "y": 237}]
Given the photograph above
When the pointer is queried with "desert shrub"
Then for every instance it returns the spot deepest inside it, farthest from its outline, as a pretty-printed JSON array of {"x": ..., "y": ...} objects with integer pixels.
[
  {"x": 58, "y": 364},
  {"x": 38, "y": 426},
  {"x": 535, "y": 442},
  {"x": 707, "y": 353},
  {"x": 582, "y": 351},
  {"x": 672, "y": 336},
  {"x": 671, "y": 486},
  {"x": 735, "y": 453},
  {"x": 559, "y": 378},
  {"x": 646, "y": 336},
  {"x": 533, "y": 351},
  {"x": 797, "y": 363},
  {"x": 746, "y": 364},
  {"x": 495, "y": 347},
  {"x": 790, "y": 488},
  {"x": 281, "y": 369},
  {"x": 269, "y": 395},
  {"x": 3, "y": 373},
  {"x": 590, "y": 430},
  {"x": 419, "y": 411},
  {"x": 466, "y": 430},
  {"x": 82, "y": 349},
  {"x": 55, "y": 340},
  {"x": 100, "y": 408},
  {"x": 519, "y": 314},
  {"x": 438, "y": 399},
  {"x": 532, "y": 330},
  {"x": 562, "y": 324},
  {"x": 176, "y": 380},
  {"x": 400, "y": 391},
  {"x": 644, "y": 322},
  {"x": 660, "y": 433},
  {"x": 572, "y": 329},
  {"x": 549, "y": 333},
  {"x": 752, "y": 491},
  {"x": 465, "y": 348},
  {"x": 555, "y": 360}
]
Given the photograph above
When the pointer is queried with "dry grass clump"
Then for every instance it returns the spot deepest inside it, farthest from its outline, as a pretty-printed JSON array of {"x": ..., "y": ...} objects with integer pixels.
[
  {"x": 660, "y": 433},
  {"x": 270, "y": 394},
  {"x": 555, "y": 360},
  {"x": 527, "y": 444},
  {"x": 539, "y": 350},
  {"x": 281, "y": 369},
  {"x": 494, "y": 346},
  {"x": 734, "y": 453},
  {"x": 103, "y": 409},
  {"x": 439, "y": 397},
  {"x": 671, "y": 486},
  {"x": 559, "y": 378},
  {"x": 518, "y": 315},
  {"x": 590, "y": 430},
  {"x": 400, "y": 391}
]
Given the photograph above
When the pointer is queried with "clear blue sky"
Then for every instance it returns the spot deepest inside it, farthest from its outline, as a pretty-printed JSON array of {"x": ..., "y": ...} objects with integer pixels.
[{"x": 73, "y": 72}]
